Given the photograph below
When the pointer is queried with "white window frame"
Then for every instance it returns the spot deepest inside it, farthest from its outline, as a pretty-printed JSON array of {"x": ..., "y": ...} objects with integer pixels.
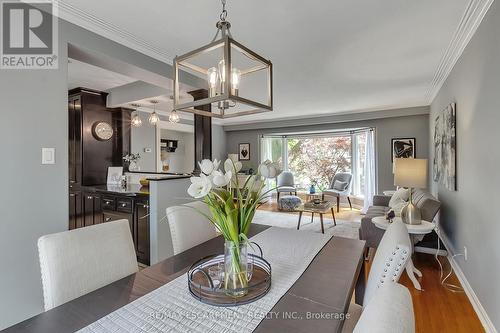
[{"x": 353, "y": 152}]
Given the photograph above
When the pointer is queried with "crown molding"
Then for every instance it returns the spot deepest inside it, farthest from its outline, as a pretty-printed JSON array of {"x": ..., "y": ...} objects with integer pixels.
[
  {"x": 103, "y": 28},
  {"x": 470, "y": 21},
  {"x": 331, "y": 118}
]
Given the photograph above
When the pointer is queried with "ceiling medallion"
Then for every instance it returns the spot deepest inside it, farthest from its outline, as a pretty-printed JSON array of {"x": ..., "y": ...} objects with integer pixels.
[{"x": 238, "y": 80}]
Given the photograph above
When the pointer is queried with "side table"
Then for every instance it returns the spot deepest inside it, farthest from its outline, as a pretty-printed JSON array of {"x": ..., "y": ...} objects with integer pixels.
[{"x": 413, "y": 229}]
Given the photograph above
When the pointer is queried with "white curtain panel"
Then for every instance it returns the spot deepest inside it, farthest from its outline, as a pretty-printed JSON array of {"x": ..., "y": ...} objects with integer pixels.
[
  {"x": 369, "y": 171},
  {"x": 266, "y": 154}
]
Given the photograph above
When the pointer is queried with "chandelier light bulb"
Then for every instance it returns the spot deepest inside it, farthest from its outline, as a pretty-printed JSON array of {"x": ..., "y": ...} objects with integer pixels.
[
  {"x": 235, "y": 81},
  {"x": 153, "y": 118},
  {"x": 174, "y": 117},
  {"x": 222, "y": 71},
  {"x": 136, "y": 120},
  {"x": 212, "y": 81}
]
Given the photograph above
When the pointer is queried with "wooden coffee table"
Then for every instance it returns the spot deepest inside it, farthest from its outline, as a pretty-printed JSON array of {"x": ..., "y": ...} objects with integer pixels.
[{"x": 318, "y": 210}]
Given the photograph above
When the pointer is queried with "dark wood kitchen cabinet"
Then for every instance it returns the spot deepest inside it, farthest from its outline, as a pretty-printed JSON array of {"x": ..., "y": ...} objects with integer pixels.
[
  {"x": 89, "y": 156},
  {"x": 92, "y": 212},
  {"x": 141, "y": 225},
  {"x": 89, "y": 207},
  {"x": 75, "y": 210},
  {"x": 136, "y": 211},
  {"x": 75, "y": 141}
]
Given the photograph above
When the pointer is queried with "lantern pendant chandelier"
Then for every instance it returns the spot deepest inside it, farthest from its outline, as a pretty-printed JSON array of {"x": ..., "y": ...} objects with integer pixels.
[{"x": 238, "y": 81}]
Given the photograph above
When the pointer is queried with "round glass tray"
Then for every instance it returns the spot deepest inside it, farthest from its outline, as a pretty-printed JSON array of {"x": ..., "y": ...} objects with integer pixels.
[{"x": 205, "y": 290}]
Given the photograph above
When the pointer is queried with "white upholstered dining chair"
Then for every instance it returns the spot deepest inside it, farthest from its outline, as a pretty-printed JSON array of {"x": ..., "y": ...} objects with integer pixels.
[
  {"x": 76, "y": 262},
  {"x": 390, "y": 310},
  {"x": 188, "y": 227},
  {"x": 391, "y": 258}
]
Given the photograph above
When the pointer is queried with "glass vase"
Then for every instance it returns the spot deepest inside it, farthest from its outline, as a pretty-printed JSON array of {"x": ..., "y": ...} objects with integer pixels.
[
  {"x": 133, "y": 166},
  {"x": 235, "y": 268}
]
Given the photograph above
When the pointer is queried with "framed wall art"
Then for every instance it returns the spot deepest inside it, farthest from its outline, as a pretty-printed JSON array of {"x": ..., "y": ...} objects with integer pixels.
[
  {"x": 244, "y": 152},
  {"x": 444, "y": 163},
  {"x": 403, "y": 148}
]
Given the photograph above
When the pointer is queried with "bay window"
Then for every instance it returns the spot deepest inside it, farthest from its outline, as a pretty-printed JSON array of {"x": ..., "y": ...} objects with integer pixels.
[{"x": 315, "y": 158}]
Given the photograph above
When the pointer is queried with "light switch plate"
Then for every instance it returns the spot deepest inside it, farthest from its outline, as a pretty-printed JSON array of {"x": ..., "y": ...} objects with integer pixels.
[{"x": 48, "y": 156}]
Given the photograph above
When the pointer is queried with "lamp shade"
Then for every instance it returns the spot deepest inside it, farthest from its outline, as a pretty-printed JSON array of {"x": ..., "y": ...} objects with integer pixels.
[{"x": 410, "y": 172}]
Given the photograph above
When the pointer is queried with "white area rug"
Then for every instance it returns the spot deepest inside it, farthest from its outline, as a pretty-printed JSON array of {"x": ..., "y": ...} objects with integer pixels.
[{"x": 348, "y": 222}]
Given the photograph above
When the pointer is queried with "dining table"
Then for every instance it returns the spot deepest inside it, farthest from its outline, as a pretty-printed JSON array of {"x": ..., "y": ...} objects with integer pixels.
[{"x": 316, "y": 302}]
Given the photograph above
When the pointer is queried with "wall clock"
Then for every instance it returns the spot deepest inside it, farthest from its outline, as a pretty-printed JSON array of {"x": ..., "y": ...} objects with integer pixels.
[{"x": 102, "y": 131}]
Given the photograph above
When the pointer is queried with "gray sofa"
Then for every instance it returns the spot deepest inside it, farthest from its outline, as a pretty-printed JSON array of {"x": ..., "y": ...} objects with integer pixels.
[{"x": 429, "y": 206}]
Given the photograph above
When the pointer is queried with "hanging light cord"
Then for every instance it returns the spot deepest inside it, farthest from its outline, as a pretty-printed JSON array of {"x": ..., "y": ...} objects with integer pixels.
[
  {"x": 223, "y": 26},
  {"x": 223, "y": 15},
  {"x": 449, "y": 286}
]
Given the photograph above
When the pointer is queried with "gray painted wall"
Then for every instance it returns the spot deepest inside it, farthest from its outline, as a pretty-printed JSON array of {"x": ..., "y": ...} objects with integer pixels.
[
  {"x": 416, "y": 126},
  {"x": 35, "y": 197},
  {"x": 143, "y": 137},
  {"x": 182, "y": 160},
  {"x": 468, "y": 215}
]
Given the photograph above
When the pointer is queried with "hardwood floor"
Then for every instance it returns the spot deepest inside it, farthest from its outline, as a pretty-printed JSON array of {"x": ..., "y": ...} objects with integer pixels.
[{"x": 436, "y": 308}]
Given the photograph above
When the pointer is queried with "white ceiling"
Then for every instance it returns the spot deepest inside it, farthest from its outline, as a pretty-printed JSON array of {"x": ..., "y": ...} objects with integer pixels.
[
  {"x": 81, "y": 74},
  {"x": 328, "y": 56}
]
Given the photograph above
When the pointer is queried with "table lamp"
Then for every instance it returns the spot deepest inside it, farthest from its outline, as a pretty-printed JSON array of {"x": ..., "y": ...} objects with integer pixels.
[{"x": 411, "y": 173}]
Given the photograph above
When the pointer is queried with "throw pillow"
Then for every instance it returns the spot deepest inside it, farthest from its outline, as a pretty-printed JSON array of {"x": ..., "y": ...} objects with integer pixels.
[
  {"x": 398, "y": 207},
  {"x": 339, "y": 186},
  {"x": 401, "y": 194}
]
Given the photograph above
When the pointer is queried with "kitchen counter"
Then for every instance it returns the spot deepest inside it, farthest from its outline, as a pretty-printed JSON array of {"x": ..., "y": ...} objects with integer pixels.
[
  {"x": 168, "y": 177},
  {"x": 130, "y": 190}
]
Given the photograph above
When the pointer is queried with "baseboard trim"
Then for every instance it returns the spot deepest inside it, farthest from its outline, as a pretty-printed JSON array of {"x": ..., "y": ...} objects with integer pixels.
[
  {"x": 476, "y": 304},
  {"x": 428, "y": 250}
]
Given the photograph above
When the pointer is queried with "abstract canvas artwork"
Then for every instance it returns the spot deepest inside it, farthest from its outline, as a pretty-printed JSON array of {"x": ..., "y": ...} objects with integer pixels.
[{"x": 444, "y": 165}]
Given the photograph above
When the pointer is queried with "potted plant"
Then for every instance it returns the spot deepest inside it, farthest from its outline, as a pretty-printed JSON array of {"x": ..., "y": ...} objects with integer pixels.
[
  {"x": 132, "y": 160},
  {"x": 232, "y": 206}
]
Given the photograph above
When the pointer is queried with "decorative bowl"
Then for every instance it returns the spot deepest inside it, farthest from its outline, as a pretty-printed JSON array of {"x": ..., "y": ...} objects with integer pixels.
[{"x": 144, "y": 182}]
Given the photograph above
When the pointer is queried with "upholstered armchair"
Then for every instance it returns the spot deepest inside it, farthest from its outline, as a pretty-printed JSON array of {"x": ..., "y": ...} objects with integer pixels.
[
  {"x": 285, "y": 183},
  {"x": 340, "y": 186}
]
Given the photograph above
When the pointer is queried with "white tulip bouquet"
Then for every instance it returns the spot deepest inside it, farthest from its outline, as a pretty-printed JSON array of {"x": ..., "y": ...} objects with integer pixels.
[{"x": 232, "y": 206}]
